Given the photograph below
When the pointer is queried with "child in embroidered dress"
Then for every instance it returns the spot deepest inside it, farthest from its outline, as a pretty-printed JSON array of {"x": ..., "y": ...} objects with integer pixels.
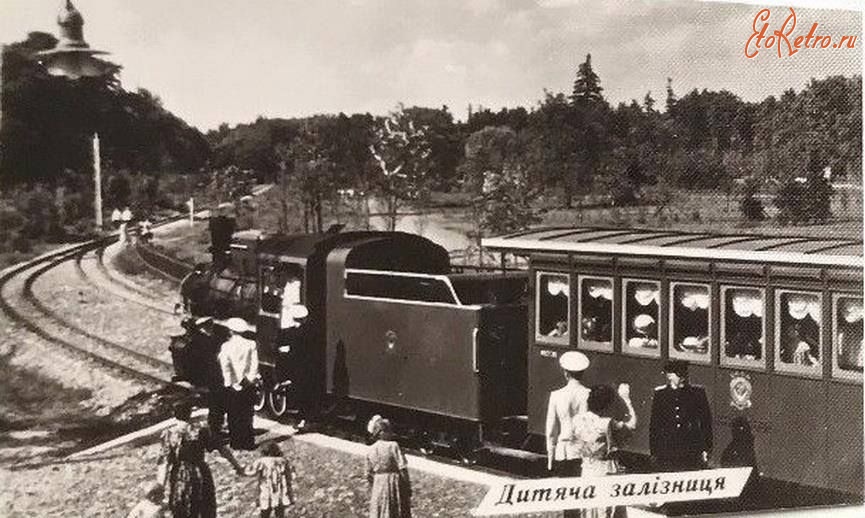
[{"x": 274, "y": 474}]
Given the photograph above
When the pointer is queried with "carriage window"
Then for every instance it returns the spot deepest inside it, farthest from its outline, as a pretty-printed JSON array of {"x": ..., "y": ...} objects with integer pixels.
[
  {"x": 797, "y": 331},
  {"x": 596, "y": 313},
  {"x": 847, "y": 324},
  {"x": 742, "y": 329},
  {"x": 398, "y": 287},
  {"x": 553, "y": 310},
  {"x": 642, "y": 314},
  {"x": 689, "y": 321}
]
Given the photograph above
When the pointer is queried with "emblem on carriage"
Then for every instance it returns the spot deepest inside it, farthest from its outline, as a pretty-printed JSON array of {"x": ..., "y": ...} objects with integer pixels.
[
  {"x": 740, "y": 391},
  {"x": 390, "y": 340}
]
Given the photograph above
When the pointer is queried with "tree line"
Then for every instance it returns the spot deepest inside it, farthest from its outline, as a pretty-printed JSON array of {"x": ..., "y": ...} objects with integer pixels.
[
  {"x": 568, "y": 148},
  {"x": 573, "y": 145}
]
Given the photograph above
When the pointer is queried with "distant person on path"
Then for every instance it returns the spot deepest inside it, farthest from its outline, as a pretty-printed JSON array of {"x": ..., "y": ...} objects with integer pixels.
[
  {"x": 274, "y": 474},
  {"x": 115, "y": 218},
  {"x": 151, "y": 505},
  {"x": 594, "y": 437},
  {"x": 387, "y": 473},
  {"x": 145, "y": 230},
  {"x": 183, "y": 471},
  {"x": 125, "y": 219},
  {"x": 238, "y": 360},
  {"x": 680, "y": 427}
]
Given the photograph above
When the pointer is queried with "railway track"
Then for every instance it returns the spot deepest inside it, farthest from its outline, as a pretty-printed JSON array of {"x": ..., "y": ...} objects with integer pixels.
[
  {"x": 26, "y": 311},
  {"x": 119, "y": 280},
  {"x": 92, "y": 269}
]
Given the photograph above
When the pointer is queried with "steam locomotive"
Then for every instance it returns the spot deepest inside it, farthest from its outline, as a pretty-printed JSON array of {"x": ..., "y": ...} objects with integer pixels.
[{"x": 388, "y": 327}]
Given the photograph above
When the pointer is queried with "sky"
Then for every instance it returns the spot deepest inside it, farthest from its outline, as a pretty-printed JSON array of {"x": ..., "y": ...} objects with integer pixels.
[{"x": 231, "y": 61}]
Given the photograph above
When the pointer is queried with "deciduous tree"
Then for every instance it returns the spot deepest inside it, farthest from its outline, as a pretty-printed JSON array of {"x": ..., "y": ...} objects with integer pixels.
[{"x": 401, "y": 150}]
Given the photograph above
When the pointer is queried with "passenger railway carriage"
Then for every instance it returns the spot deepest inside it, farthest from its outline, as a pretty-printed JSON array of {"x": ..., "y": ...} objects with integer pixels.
[{"x": 772, "y": 327}]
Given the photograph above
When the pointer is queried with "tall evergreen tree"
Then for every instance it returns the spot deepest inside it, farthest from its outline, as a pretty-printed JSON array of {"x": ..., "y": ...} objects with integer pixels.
[
  {"x": 649, "y": 102},
  {"x": 589, "y": 124},
  {"x": 587, "y": 87},
  {"x": 671, "y": 96}
]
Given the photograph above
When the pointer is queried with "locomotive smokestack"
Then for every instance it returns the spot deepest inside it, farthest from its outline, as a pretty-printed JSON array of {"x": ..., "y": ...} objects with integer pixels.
[{"x": 221, "y": 230}]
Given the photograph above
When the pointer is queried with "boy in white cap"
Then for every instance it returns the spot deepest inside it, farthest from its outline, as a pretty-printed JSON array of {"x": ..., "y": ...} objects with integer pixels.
[
  {"x": 563, "y": 454},
  {"x": 238, "y": 360}
]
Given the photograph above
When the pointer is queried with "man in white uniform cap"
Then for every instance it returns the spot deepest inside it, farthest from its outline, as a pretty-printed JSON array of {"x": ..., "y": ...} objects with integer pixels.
[
  {"x": 238, "y": 359},
  {"x": 563, "y": 455},
  {"x": 565, "y": 403}
]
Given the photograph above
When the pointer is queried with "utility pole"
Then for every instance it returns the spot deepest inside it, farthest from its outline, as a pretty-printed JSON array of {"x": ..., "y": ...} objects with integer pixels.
[{"x": 97, "y": 182}]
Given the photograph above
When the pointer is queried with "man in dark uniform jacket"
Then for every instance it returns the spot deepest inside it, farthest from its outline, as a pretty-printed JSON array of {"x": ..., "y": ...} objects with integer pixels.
[{"x": 680, "y": 427}]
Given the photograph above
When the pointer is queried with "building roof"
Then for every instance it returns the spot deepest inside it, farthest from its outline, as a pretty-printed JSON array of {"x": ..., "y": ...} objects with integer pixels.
[{"x": 768, "y": 249}]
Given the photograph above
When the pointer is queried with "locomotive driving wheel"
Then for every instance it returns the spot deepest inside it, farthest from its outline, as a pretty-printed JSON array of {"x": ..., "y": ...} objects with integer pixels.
[
  {"x": 278, "y": 400},
  {"x": 260, "y": 398}
]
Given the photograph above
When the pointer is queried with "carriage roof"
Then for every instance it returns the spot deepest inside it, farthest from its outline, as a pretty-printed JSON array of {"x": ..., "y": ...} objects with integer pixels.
[{"x": 671, "y": 244}]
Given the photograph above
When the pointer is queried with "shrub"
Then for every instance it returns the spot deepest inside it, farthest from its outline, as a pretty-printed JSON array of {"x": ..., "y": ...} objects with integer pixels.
[
  {"x": 751, "y": 206},
  {"x": 819, "y": 198},
  {"x": 22, "y": 244},
  {"x": 801, "y": 201}
]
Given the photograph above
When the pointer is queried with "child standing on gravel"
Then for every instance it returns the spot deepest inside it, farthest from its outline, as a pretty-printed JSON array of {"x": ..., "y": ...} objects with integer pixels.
[
  {"x": 151, "y": 505},
  {"x": 274, "y": 481}
]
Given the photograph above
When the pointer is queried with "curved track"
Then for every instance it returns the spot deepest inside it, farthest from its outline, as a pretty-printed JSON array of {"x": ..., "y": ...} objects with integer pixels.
[
  {"x": 123, "y": 282},
  {"x": 25, "y": 310},
  {"x": 99, "y": 274},
  {"x": 30, "y": 297}
]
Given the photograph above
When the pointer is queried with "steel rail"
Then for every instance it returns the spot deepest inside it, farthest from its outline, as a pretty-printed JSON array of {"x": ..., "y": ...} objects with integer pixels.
[{"x": 53, "y": 259}]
